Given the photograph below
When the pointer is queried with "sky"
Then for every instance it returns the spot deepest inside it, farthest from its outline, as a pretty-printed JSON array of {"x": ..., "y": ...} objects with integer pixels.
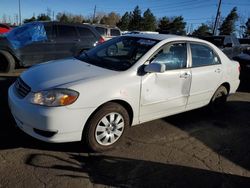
[{"x": 194, "y": 12}]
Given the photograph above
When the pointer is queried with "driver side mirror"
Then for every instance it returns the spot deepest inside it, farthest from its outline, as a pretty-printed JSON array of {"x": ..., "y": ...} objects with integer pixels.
[{"x": 155, "y": 67}]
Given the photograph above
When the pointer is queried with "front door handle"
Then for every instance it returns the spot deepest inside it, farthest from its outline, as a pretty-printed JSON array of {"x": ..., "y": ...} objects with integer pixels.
[{"x": 185, "y": 75}]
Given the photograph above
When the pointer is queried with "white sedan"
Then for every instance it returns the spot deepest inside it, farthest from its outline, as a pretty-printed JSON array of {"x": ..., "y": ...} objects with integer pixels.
[{"x": 124, "y": 82}]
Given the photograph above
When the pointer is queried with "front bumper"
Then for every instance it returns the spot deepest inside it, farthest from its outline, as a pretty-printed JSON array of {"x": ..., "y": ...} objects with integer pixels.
[{"x": 66, "y": 124}]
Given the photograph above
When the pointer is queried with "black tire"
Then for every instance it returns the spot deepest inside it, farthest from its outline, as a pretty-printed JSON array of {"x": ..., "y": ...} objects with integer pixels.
[
  {"x": 219, "y": 99},
  {"x": 90, "y": 133},
  {"x": 7, "y": 62}
]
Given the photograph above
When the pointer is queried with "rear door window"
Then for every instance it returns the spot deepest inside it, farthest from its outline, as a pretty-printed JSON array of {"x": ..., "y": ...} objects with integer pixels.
[
  {"x": 65, "y": 31},
  {"x": 86, "y": 33},
  {"x": 102, "y": 31},
  {"x": 115, "y": 32},
  {"x": 203, "y": 56}
]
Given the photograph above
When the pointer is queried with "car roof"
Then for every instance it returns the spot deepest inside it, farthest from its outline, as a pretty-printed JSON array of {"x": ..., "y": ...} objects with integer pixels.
[
  {"x": 162, "y": 37},
  {"x": 103, "y": 26},
  {"x": 62, "y": 23}
]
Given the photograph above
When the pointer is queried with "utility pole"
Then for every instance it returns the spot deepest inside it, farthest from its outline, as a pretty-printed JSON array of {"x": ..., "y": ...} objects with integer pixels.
[
  {"x": 217, "y": 19},
  {"x": 20, "y": 19},
  {"x": 94, "y": 15}
]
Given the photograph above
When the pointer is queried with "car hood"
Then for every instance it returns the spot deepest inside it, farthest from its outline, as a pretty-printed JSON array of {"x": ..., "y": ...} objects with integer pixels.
[{"x": 60, "y": 72}]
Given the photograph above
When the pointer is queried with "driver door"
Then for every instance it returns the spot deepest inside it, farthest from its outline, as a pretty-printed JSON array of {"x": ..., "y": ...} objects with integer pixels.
[{"x": 166, "y": 93}]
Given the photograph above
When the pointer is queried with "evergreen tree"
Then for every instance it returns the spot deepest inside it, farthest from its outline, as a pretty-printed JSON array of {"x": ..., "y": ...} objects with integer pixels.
[
  {"x": 124, "y": 21},
  {"x": 149, "y": 21},
  {"x": 136, "y": 20},
  {"x": 173, "y": 26},
  {"x": 164, "y": 25},
  {"x": 203, "y": 30},
  {"x": 178, "y": 26},
  {"x": 43, "y": 17},
  {"x": 63, "y": 18},
  {"x": 32, "y": 19},
  {"x": 247, "y": 32},
  {"x": 228, "y": 25}
]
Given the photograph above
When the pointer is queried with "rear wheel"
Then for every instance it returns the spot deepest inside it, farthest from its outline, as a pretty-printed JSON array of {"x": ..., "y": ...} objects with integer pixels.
[
  {"x": 7, "y": 62},
  {"x": 106, "y": 127},
  {"x": 219, "y": 99}
]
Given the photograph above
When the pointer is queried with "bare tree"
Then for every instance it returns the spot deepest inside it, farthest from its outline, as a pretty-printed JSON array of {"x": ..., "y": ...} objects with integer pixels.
[
  {"x": 110, "y": 19},
  {"x": 4, "y": 18}
]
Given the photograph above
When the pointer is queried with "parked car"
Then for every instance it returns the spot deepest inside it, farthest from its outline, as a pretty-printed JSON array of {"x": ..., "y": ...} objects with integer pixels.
[
  {"x": 4, "y": 28},
  {"x": 139, "y": 32},
  {"x": 107, "y": 32},
  {"x": 229, "y": 44},
  {"x": 244, "y": 60},
  {"x": 38, "y": 42},
  {"x": 123, "y": 82}
]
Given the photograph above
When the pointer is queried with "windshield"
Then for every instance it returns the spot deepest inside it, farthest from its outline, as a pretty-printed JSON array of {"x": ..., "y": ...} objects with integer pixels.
[
  {"x": 26, "y": 34},
  {"x": 119, "y": 53}
]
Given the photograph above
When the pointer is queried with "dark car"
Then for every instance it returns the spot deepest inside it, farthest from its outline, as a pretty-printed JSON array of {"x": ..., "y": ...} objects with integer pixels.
[
  {"x": 38, "y": 42},
  {"x": 232, "y": 47},
  {"x": 229, "y": 44},
  {"x": 4, "y": 28}
]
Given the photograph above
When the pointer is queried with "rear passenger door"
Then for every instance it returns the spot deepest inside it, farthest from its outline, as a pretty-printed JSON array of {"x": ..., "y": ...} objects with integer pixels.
[
  {"x": 206, "y": 71},
  {"x": 66, "y": 40}
]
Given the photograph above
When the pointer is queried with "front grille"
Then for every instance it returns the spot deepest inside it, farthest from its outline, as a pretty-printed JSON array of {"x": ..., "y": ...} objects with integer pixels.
[{"x": 21, "y": 88}]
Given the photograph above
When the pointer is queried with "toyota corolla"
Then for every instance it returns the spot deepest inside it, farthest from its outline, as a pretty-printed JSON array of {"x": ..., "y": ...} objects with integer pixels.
[{"x": 124, "y": 82}]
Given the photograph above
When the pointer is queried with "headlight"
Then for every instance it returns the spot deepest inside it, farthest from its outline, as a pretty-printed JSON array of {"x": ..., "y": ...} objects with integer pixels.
[{"x": 54, "y": 97}]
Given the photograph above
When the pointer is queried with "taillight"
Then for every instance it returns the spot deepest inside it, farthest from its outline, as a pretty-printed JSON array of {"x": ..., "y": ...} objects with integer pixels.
[
  {"x": 239, "y": 68},
  {"x": 101, "y": 40}
]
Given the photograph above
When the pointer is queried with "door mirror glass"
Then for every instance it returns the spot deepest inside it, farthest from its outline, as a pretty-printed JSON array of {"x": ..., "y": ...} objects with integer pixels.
[{"x": 155, "y": 67}]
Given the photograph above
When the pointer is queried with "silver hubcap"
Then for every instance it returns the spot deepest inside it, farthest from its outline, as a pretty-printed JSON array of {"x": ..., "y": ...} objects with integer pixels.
[{"x": 109, "y": 129}]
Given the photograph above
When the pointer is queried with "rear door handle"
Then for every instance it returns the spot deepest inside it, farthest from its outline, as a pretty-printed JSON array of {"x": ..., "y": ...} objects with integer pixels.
[
  {"x": 218, "y": 70},
  {"x": 185, "y": 75}
]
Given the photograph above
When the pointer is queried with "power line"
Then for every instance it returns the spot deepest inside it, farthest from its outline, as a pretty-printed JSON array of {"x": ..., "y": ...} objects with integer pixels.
[
  {"x": 236, "y": 4},
  {"x": 187, "y": 4},
  {"x": 166, "y": 9}
]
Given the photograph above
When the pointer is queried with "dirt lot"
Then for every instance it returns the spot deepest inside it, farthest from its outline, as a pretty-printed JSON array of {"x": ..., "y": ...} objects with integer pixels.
[{"x": 193, "y": 149}]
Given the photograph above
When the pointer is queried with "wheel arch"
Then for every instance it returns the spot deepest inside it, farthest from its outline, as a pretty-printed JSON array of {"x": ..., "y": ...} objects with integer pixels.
[
  {"x": 227, "y": 86},
  {"x": 123, "y": 103},
  {"x": 17, "y": 61}
]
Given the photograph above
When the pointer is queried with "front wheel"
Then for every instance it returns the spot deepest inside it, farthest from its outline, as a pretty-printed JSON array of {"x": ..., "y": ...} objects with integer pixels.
[{"x": 106, "y": 127}]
